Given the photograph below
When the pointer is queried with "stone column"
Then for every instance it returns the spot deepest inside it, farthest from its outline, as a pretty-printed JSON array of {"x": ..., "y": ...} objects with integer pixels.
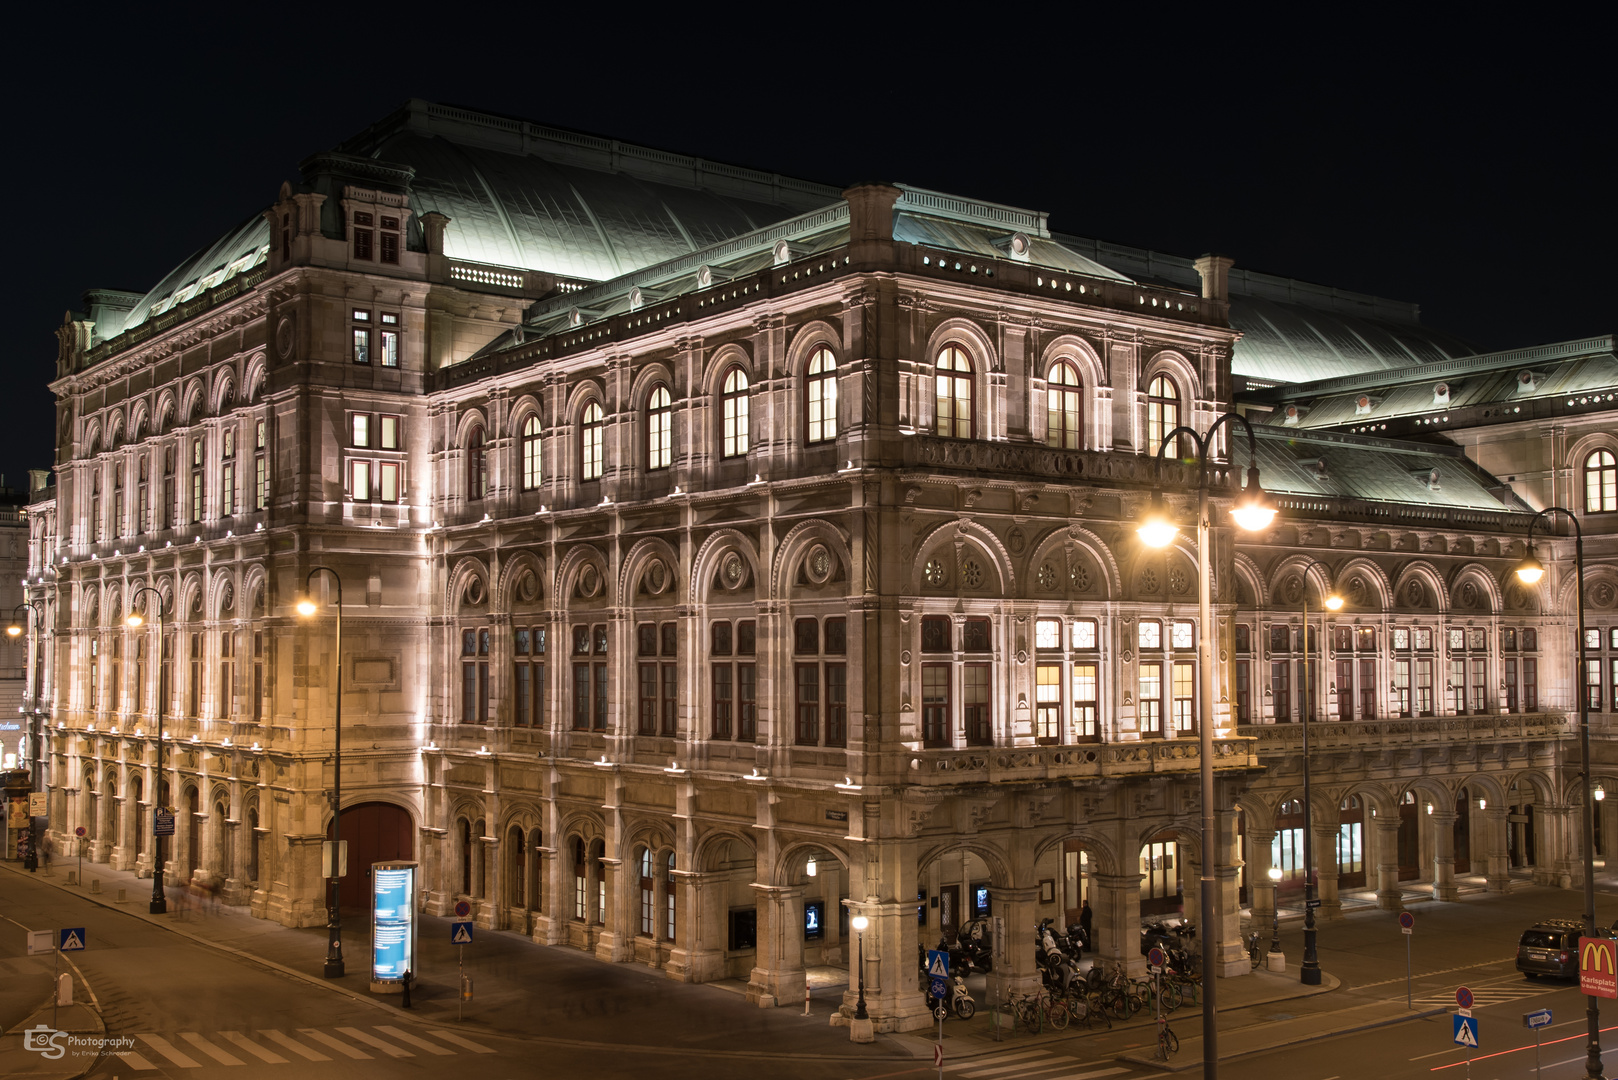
[
  {"x": 1227, "y": 903},
  {"x": 778, "y": 977},
  {"x": 1443, "y": 825},
  {"x": 1260, "y": 856},
  {"x": 1015, "y": 969},
  {"x": 1331, "y": 905},
  {"x": 1388, "y": 897},
  {"x": 1115, "y": 900},
  {"x": 698, "y": 953},
  {"x": 1497, "y": 865}
]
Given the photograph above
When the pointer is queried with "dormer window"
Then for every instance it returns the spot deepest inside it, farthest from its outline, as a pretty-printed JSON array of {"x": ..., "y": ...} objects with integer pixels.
[{"x": 364, "y": 235}]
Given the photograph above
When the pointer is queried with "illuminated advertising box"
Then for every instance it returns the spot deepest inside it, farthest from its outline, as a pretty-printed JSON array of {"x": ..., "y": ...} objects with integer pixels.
[{"x": 393, "y": 924}]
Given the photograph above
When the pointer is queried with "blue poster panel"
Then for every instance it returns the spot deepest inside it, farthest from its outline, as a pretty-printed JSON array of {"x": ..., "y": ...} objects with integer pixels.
[{"x": 393, "y": 914}]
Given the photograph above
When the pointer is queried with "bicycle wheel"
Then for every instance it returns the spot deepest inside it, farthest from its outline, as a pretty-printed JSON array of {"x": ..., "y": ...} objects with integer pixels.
[
  {"x": 1170, "y": 1043},
  {"x": 1116, "y": 1004},
  {"x": 1078, "y": 1008},
  {"x": 1171, "y": 997},
  {"x": 1135, "y": 1004},
  {"x": 965, "y": 1007},
  {"x": 1028, "y": 1015},
  {"x": 1056, "y": 1012}
]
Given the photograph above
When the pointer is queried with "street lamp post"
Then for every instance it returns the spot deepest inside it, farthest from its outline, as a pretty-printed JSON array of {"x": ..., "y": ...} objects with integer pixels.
[
  {"x": 1275, "y": 910},
  {"x": 1309, "y": 970},
  {"x": 334, "y": 915},
  {"x": 35, "y": 768},
  {"x": 1252, "y": 511},
  {"x": 859, "y": 923},
  {"x": 1530, "y": 570},
  {"x": 160, "y": 900}
]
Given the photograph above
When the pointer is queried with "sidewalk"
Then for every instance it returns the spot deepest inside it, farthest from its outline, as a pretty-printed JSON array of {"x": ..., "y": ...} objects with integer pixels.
[{"x": 18, "y": 1061}]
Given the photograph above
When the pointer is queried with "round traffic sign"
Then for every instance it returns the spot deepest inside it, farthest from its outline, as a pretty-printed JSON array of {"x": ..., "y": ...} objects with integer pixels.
[
  {"x": 1406, "y": 920},
  {"x": 462, "y": 908},
  {"x": 81, "y": 831},
  {"x": 1155, "y": 957},
  {"x": 1463, "y": 998}
]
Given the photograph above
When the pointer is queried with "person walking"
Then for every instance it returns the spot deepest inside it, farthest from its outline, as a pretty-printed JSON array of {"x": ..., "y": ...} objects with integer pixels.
[{"x": 1087, "y": 919}]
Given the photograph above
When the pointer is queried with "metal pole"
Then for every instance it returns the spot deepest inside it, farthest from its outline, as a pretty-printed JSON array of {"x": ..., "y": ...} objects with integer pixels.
[
  {"x": 1408, "y": 1003},
  {"x": 1309, "y": 970},
  {"x": 160, "y": 901},
  {"x": 1592, "y": 1065},
  {"x": 859, "y": 1007},
  {"x": 1210, "y": 838},
  {"x": 334, "y": 914}
]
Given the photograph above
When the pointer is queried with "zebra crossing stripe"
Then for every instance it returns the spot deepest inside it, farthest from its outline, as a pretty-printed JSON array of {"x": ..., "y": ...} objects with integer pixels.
[
  {"x": 371, "y": 1040},
  {"x": 466, "y": 1044},
  {"x": 1044, "y": 1070},
  {"x": 423, "y": 1044},
  {"x": 253, "y": 1048},
  {"x": 294, "y": 1045},
  {"x": 1096, "y": 1075},
  {"x": 336, "y": 1044},
  {"x": 170, "y": 1051},
  {"x": 210, "y": 1049},
  {"x": 1000, "y": 1059},
  {"x": 1027, "y": 1064},
  {"x": 135, "y": 1062}
]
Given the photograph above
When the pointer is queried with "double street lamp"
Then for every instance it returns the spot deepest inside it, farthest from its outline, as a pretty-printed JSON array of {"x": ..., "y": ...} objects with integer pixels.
[
  {"x": 1251, "y": 512},
  {"x": 35, "y": 763},
  {"x": 307, "y": 607},
  {"x": 1530, "y": 570},
  {"x": 160, "y": 902}
]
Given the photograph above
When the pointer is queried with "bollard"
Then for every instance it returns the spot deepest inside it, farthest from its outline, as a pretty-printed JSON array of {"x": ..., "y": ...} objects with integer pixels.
[
  {"x": 95, "y": 885},
  {"x": 123, "y": 898},
  {"x": 806, "y": 999},
  {"x": 72, "y": 878},
  {"x": 64, "y": 989}
]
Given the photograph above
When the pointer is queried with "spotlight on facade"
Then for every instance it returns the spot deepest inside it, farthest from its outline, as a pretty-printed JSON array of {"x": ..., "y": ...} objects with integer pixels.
[{"x": 1530, "y": 570}]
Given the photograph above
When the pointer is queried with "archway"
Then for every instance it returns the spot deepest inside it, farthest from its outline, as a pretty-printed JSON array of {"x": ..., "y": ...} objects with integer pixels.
[
  {"x": 375, "y": 832},
  {"x": 1409, "y": 836},
  {"x": 1162, "y": 858}
]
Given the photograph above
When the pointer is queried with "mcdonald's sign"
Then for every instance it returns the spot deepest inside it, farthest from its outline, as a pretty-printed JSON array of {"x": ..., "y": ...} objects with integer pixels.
[{"x": 1598, "y": 967}]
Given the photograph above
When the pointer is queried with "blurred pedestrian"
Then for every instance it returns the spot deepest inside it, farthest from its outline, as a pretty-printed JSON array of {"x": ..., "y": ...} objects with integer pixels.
[{"x": 1087, "y": 920}]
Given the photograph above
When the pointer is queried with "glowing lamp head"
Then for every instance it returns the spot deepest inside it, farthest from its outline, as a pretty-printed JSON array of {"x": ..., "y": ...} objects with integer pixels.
[
  {"x": 1157, "y": 530},
  {"x": 13, "y": 630},
  {"x": 135, "y": 619},
  {"x": 1275, "y": 873},
  {"x": 1253, "y": 511},
  {"x": 1600, "y": 793},
  {"x": 1334, "y": 602},
  {"x": 1530, "y": 570},
  {"x": 859, "y": 923},
  {"x": 811, "y": 869},
  {"x": 306, "y": 607}
]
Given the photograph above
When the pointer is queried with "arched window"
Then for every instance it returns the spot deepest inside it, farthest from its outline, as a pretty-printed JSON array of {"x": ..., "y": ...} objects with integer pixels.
[
  {"x": 820, "y": 401},
  {"x": 1064, "y": 424},
  {"x": 477, "y": 466},
  {"x": 598, "y": 870},
  {"x": 735, "y": 407},
  {"x": 648, "y": 893},
  {"x": 517, "y": 875},
  {"x": 95, "y": 505},
  {"x": 659, "y": 430},
  {"x": 954, "y": 378},
  {"x": 579, "y": 909},
  {"x": 466, "y": 857},
  {"x": 1162, "y": 411},
  {"x": 590, "y": 443},
  {"x": 530, "y": 454},
  {"x": 668, "y": 897},
  {"x": 1600, "y": 482}
]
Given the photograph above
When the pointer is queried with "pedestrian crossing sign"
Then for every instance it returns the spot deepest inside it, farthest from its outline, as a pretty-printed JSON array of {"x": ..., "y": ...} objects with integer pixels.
[
  {"x": 937, "y": 964},
  {"x": 72, "y": 939},
  {"x": 460, "y": 933},
  {"x": 1466, "y": 1031}
]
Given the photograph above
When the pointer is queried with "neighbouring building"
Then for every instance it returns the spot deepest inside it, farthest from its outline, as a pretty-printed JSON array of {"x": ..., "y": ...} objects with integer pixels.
[{"x": 720, "y": 554}]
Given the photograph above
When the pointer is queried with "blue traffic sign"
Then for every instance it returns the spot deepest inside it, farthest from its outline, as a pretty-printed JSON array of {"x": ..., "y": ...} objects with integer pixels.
[
  {"x": 939, "y": 989},
  {"x": 1539, "y": 1019},
  {"x": 1155, "y": 958},
  {"x": 72, "y": 939},
  {"x": 937, "y": 964},
  {"x": 1466, "y": 1031},
  {"x": 460, "y": 933}
]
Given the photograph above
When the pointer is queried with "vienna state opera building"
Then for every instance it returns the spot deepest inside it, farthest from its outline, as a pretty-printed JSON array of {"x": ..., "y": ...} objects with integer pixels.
[{"x": 718, "y": 555}]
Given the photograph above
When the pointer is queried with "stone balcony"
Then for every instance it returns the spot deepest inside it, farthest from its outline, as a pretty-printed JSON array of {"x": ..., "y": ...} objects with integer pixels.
[
  {"x": 997, "y": 764},
  {"x": 1329, "y": 735}
]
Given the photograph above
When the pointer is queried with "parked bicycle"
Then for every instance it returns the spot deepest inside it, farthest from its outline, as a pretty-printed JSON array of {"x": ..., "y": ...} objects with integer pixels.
[{"x": 1168, "y": 1043}]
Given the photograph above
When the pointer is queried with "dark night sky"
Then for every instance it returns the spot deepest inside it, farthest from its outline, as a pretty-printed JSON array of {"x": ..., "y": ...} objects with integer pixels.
[{"x": 1472, "y": 172}]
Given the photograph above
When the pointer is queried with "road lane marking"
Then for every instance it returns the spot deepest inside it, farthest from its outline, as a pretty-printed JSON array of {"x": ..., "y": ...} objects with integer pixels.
[
  {"x": 170, "y": 1051},
  {"x": 210, "y": 1049},
  {"x": 1032, "y": 1069},
  {"x": 293, "y": 1044},
  {"x": 1437, "y": 1053},
  {"x": 371, "y": 1040},
  {"x": 135, "y": 1061},
  {"x": 458, "y": 1041},
  {"x": 997, "y": 1059},
  {"x": 336, "y": 1044},
  {"x": 253, "y": 1048},
  {"x": 423, "y": 1044},
  {"x": 1029, "y": 1060}
]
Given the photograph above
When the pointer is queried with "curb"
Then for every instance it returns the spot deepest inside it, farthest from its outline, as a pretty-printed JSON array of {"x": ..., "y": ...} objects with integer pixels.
[{"x": 1188, "y": 1064}]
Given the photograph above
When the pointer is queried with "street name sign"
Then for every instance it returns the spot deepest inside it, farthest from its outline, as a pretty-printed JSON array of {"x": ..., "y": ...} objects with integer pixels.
[
  {"x": 1539, "y": 1019},
  {"x": 73, "y": 939},
  {"x": 460, "y": 933},
  {"x": 1466, "y": 1031},
  {"x": 1598, "y": 967}
]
